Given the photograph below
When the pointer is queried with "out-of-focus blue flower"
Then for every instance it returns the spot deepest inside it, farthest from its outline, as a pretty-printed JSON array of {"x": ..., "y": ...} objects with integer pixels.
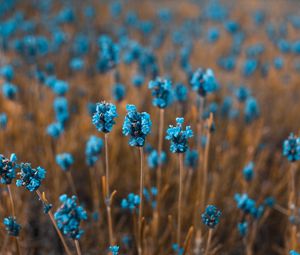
[
  {"x": 165, "y": 15},
  {"x": 93, "y": 150},
  {"x": 284, "y": 46},
  {"x": 232, "y": 26},
  {"x": 104, "y": 117},
  {"x": 9, "y": 90},
  {"x": 243, "y": 228},
  {"x": 294, "y": 253},
  {"x": 181, "y": 92},
  {"x": 177, "y": 249},
  {"x": 255, "y": 50},
  {"x": 248, "y": 171},
  {"x": 119, "y": 92},
  {"x": 8, "y": 169},
  {"x": 154, "y": 160},
  {"x": 191, "y": 159},
  {"x": 162, "y": 92},
  {"x": 138, "y": 80},
  {"x": 131, "y": 202},
  {"x": 11, "y": 225},
  {"x": 115, "y": 9},
  {"x": 150, "y": 196},
  {"x": 29, "y": 177},
  {"x": 178, "y": 136},
  {"x": 114, "y": 249},
  {"x": 251, "y": 109},
  {"x": 60, "y": 87},
  {"x": 213, "y": 34},
  {"x": 211, "y": 216},
  {"x": 69, "y": 216},
  {"x": 259, "y": 17},
  {"x": 203, "y": 81},
  {"x": 3, "y": 120},
  {"x": 278, "y": 63},
  {"x": 76, "y": 64},
  {"x": 270, "y": 202},
  {"x": 248, "y": 205},
  {"x": 215, "y": 11},
  {"x": 55, "y": 129},
  {"x": 64, "y": 160},
  {"x": 291, "y": 148},
  {"x": 60, "y": 106},
  {"x": 137, "y": 126},
  {"x": 249, "y": 67},
  {"x": 242, "y": 93},
  {"x": 66, "y": 15},
  {"x": 212, "y": 108},
  {"x": 227, "y": 63},
  {"x": 7, "y": 72},
  {"x": 91, "y": 108}
]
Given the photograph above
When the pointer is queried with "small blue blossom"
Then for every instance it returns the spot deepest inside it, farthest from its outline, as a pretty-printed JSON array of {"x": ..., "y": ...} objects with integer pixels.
[
  {"x": 64, "y": 160},
  {"x": 211, "y": 216},
  {"x": 68, "y": 217},
  {"x": 7, "y": 169},
  {"x": 248, "y": 205},
  {"x": 291, "y": 148},
  {"x": 11, "y": 225},
  {"x": 60, "y": 106},
  {"x": 9, "y": 90},
  {"x": 3, "y": 120},
  {"x": 213, "y": 34},
  {"x": 248, "y": 171},
  {"x": 294, "y": 253},
  {"x": 7, "y": 72},
  {"x": 150, "y": 196},
  {"x": 114, "y": 249},
  {"x": 178, "y": 136},
  {"x": 55, "y": 129},
  {"x": 137, "y": 126},
  {"x": 119, "y": 92},
  {"x": 251, "y": 109},
  {"x": 162, "y": 92},
  {"x": 242, "y": 93},
  {"x": 181, "y": 92},
  {"x": 191, "y": 159},
  {"x": 138, "y": 80},
  {"x": 177, "y": 249},
  {"x": 104, "y": 117},
  {"x": 204, "y": 81},
  {"x": 93, "y": 150},
  {"x": 131, "y": 202},
  {"x": 30, "y": 177},
  {"x": 154, "y": 160},
  {"x": 243, "y": 228},
  {"x": 60, "y": 87}
]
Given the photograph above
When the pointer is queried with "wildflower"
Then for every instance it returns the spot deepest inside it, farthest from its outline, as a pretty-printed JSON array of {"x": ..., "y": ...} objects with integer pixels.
[
  {"x": 242, "y": 93},
  {"x": 68, "y": 217},
  {"x": 3, "y": 120},
  {"x": 30, "y": 177},
  {"x": 55, "y": 129},
  {"x": 150, "y": 195},
  {"x": 243, "y": 228},
  {"x": 60, "y": 106},
  {"x": 7, "y": 72},
  {"x": 178, "y": 136},
  {"x": 177, "y": 249},
  {"x": 64, "y": 160},
  {"x": 137, "y": 126},
  {"x": 131, "y": 202},
  {"x": 93, "y": 150},
  {"x": 269, "y": 201},
  {"x": 294, "y": 253},
  {"x": 104, "y": 116},
  {"x": 248, "y": 205},
  {"x": 119, "y": 92},
  {"x": 191, "y": 159},
  {"x": 203, "y": 81},
  {"x": 213, "y": 34},
  {"x": 181, "y": 93},
  {"x": 211, "y": 216},
  {"x": 162, "y": 92},
  {"x": 248, "y": 171},
  {"x": 60, "y": 87},
  {"x": 7, "y": 169},
  {"x": 154, "y": 160},
  {"x": 114, "y": 249},
  {"x": 138, "y": 80},
  {"x": 291, "y": 148},
  {"x": 9, "y": 90},
  {"x": 11, "y": 225},
  {"x": 251, "y": 110}
]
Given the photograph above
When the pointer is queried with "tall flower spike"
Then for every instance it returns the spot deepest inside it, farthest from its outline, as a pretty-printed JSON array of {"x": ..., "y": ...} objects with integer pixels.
[
  {"x": 11, "y": 225},
  {"x": 104, "y": 117},
  {"x": 30, "y": 177},
  {"x": 211, "y": 216},
  {"x": 203, "y": 81},
  {"x": 162, "y": 92},
  {"x": 178, "y": 136},
  {"x": 7, "y": 169},
  {"x": 137, "y": 125},
  {"x": 291, "y": 148},
  {"x": 68, "y": 217},
  {"x": 64, "y": 160}
]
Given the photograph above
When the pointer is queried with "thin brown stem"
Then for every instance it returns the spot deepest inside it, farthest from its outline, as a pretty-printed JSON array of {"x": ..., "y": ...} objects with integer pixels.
[
  {"x": 160, "y": 146},
  {"x": 180, "y": 156},
  {"x": 205, "y": 170},
  {"x": 18, "y": 245},
  {"x": 292, "y": 205},
  {"x": 71, "y": 182},
  {"x": 106, "y": 164},
  {"x": 11, "y": 201},
  {"x": 140, "y": 216},
  {"x": 207, "y": 248},
  {"x": 78, "y": 250}
]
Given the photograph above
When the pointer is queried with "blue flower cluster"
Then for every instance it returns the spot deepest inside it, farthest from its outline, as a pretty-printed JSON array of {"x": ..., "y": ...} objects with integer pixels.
[
  {"x": 55, "y": 129},
  {"x": 93, "y": 150},
  {"x": 203, "y": 81},
  {"x": 131, "y": 202},
  {"x": 60, "y": 106},
  {"x": 68, "y": 217},
  {"x": 294, "y": 253},
  {"x": 291, "y": 148},
  {"x": 104, "y": 117},
  {"x": 119, "y": 92},
  {"x": 7, "y": 169},
  {"x": 248, "y": 205},
  {"x": 191, "y": 159},
  {"x": 64, "y": 160},
  {"x": 30, "y": 177},
  {"x": 11, "y": 225},
  {"x": 114, "y": 249},
  {"x": 154, "y": 160},
  {"x": 248, "y": 171},
  {"x": 137, "y": 126},
  {"x": 3, "y": 120},
  {"x": 211, "y": 216},
  {"x": 162, "y": 92},
  {"x": 150, "y": 196},
  {"x": 178, "y": 136}
]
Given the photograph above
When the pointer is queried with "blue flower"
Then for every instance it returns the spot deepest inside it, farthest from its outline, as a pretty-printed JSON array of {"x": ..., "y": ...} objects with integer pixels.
[
  {"x": 242, "y": 93},
  {"x": 3, "y": 120},
  {"x": 294, "y": 253},
  {"x": 211, "y": 216},
  {"x": 60, "y": 106},
  {"x": 7, "y": 169},
  {"x": 55, "y": 129},
  {"x": 154, "y": 160},
  {"x": 249, "y": 67},
  {"x": 114, "y": 249},
  {"x": 119, "y": 92},
  {"x": 248, "y": 205},
  {"x": 104, "y": 117},
  {"x": 11, "y": 225},
  {"x": 68, "y": 217},
  {"x": 251, "y": 109},
  {"x": 291, "y": 148},
  {"x": 137, "y": 125},
  {"x": 30, "y": 177},
  {"x": 181, "y": 92},
  {"x": 191, "y": 159},
  {"x": 60, "y": 87},
  {"x": 278, "y": 63},
  {"x": 177, "y": 249},
  {"x": 64, "y": 160},
  {"x": 9, "y": 90},
  {"x": 7, "y": 72},
  {"x": 131, "y": 202},
  {"x": 76, "y": 64},
  {"x": 213, "y": 34},
  {"x": 162, "y": 92},
  {"x": 243, "y": 228},
  {"x": 178, "y": 136},
  {"x": 248, "y": 171},
  {"x": 138, "y": 80},
  {"x": 93, "y": 150},
  {"x": 204, "y": 81}
]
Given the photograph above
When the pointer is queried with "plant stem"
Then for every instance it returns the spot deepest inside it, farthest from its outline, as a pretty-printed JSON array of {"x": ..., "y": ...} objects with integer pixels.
[
  {"x": 160, "y": 146},
  {"x": 180, "y": 156},
  {"x": 140, "y": 249},
  {"x": 77, "y": 247},
  {"x": 292, "y": 205},
  {"x": 71, "y": 182},
  {"x": 205, "y": 170},
  {"x": 208, "y": 242},
  {"x": 106, "y": 165},
  {"x": 55, "y": 226}
]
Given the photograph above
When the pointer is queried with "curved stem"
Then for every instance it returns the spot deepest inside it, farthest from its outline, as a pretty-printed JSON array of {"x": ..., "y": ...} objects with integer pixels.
[
  {"x": 78, "y": 250},
  {"x": 179, "y": 199},
  {"x": 208, "y": 242},
  {"x": 140, "y": 249}
]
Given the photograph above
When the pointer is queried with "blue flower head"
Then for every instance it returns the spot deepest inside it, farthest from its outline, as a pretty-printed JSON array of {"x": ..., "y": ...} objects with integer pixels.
[
  {"x": 104, "y": 117},
  {"x": 177, "y": 249},
  {"x": 178, "y": 136},
  {"x": 131, "y": 202},
  {"x": 60, "y": 87},
  {"x": 294, "y": 253},
  {"x": 55, "y": 129},
  {"x": 162, "y": 92},
  {"x": 119, "y": 92},
  {"x": 9, "y": 90},
  {"x": 242, "y": 93},
  {"x": 204, "y": 81},
  {"x": 150, "y": 196},
  {"x": 8, "y": 169},
  {"x": 154, "y": 160},
  {"x": 93, "y": 150},
  {"x": 211, "y": 216},
  {"x": 243, "y": 228},
  {"x": 251, "y": 110},
  {"x": 64, "y": 160},
  {"x": 60, "y": 106},
  {"x": 114, "y": 249},
  {"x": 191, "y": 159},
  {"x": 137, "y": 125},
  {"x": 69, "y": 216},
  {"x": 11, "y": 226},
  {"x": 248, "y": 205},
  {"x": 248, "y": 171},
  {"x": 3, "y": 120},
  {"x": 29, "y": 177},
  {"x": 7, "y": 72},
  {"x": 291, "y": 148},
  {"x": 138, "y": 80},
  {"x": 181, "y": 93}
]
